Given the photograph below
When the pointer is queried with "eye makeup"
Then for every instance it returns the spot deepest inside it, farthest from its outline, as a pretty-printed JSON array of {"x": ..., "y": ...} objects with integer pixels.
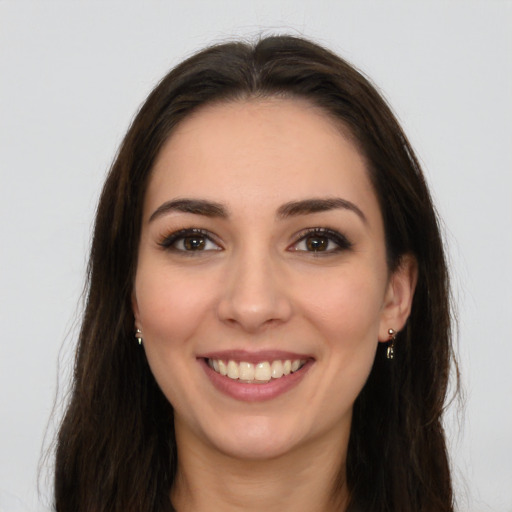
[
  {"x": 317, "y": 240},
  {"x": 190, "y": 240},
  {"x": 320, "y": 240}
]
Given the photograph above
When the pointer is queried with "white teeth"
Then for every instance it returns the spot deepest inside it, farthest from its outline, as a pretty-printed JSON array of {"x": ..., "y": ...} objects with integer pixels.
[
  {"x": 276, "y": 369},
  {"x": 260, "y": 372},
  {"x": 246, "y": 371},
  {"x": 223, "y": 369},
  {"x": 233, "y": 371}
]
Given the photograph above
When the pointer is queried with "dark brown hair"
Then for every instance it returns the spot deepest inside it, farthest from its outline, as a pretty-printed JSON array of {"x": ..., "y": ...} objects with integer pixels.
[{"x": 116, "y": 448}]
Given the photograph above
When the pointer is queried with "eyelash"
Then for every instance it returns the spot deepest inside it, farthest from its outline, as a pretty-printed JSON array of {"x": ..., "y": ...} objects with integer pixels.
[
  {"x": 330, "y": 235},
  {"x": 170, "y": 241}
]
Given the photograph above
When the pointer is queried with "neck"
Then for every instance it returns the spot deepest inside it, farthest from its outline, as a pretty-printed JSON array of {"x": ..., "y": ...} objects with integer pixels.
[{"x": 307, "y": 479}]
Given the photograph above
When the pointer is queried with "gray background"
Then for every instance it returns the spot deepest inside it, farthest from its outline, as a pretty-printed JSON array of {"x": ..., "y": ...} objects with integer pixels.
[{"x": 72, "y": 75}]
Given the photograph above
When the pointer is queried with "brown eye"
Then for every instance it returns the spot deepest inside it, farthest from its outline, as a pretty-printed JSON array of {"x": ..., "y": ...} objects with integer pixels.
[
  {"x": 321, "y": 240},
  {"x": 316, "y": 243},
  {"x": 189, "y": 241},
  {"x": 194, "y": 243}
]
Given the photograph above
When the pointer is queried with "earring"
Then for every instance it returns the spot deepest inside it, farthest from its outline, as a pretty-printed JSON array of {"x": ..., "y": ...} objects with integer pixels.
[
  {"x": 138, "y": 336},
  {"x": 390, "y": 353}
]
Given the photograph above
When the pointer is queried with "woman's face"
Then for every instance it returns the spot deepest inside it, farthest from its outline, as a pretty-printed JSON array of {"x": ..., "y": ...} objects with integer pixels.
[{"x": 262, "y": 255}]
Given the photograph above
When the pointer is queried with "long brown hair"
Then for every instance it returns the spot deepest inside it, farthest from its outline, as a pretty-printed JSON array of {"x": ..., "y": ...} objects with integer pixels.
[{"x": 116, "y": 448}]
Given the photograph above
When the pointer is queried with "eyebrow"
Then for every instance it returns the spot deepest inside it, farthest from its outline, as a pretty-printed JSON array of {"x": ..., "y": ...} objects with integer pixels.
[
  {"x": 195, "y": 206},
  {"x": 308, "y": 206},
  {"x": 291, "y": 209}
]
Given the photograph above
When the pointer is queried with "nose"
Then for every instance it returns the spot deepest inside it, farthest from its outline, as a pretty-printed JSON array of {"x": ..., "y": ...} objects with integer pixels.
[{"x": 255, "y": 293}]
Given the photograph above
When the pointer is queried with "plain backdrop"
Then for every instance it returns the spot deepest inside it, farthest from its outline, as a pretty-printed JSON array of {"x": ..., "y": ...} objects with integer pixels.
[{"x": 73, "y": 74}]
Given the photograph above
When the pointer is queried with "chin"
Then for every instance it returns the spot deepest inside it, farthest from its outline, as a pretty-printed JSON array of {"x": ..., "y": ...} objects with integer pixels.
[{"x": 256, "y": 438}]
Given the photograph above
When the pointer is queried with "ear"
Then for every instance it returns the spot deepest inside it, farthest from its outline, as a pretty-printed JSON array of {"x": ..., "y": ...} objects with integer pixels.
[{"x": 399, "y": 295}]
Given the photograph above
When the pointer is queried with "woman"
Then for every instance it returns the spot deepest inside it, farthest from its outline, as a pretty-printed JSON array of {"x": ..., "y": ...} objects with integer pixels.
[{"x": 267, "y": 325}]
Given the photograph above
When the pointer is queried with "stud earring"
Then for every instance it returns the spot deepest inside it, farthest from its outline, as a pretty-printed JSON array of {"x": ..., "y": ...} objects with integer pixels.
[
  {"x": 138, "y": 336},
  {"x": 390, "y": 353}
]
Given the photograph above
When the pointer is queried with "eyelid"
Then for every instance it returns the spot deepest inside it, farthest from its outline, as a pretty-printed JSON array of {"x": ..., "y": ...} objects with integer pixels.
[
  {"x": 167, "y": 241},
  {"x": 333, "y": 235}
]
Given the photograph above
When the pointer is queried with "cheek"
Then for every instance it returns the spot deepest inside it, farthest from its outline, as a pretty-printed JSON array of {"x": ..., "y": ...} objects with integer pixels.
[
  {"x": 171, "y": 305},
  {"x": 346, "y": 307},
  {"x": 345, "y": 312}
]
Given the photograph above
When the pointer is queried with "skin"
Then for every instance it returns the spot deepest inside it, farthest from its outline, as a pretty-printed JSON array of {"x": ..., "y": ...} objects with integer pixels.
[{"x": 256, "y": 286}]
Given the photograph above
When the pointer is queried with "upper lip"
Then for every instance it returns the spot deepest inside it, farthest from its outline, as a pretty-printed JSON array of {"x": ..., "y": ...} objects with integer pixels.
[{"x": 254, "y": 356}]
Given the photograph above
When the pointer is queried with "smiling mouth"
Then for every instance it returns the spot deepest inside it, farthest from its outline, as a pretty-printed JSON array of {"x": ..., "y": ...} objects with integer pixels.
[{"x": 259, "y": 373}]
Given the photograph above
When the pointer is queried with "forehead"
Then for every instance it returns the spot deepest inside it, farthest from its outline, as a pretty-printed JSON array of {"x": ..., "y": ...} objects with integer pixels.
[{"x": 259, "y": 152}]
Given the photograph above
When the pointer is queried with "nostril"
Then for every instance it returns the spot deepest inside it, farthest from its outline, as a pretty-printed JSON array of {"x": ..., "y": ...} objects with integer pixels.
[{"x": 253, "y": 294}]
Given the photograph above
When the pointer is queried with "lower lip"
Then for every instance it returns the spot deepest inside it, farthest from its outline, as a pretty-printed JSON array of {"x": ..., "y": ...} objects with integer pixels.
[{"x": 255, "y": 392}]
